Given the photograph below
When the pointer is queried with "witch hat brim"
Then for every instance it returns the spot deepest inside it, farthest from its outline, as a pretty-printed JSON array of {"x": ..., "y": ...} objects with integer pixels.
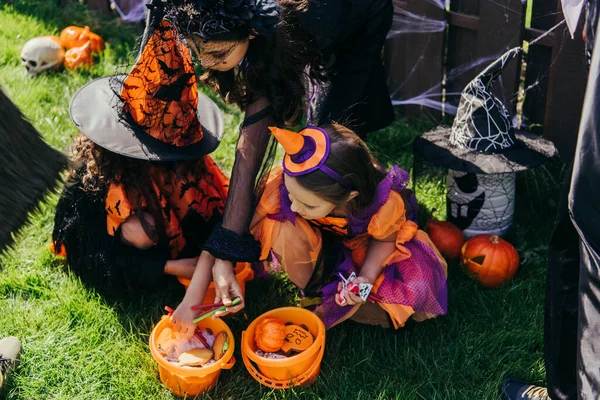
[
  {"x": 529, "y": 151},
  {"x": 95, "y": 111}
]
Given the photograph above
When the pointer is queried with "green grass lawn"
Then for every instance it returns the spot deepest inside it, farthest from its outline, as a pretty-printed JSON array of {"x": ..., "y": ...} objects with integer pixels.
[{"x": 77, "y": 345}]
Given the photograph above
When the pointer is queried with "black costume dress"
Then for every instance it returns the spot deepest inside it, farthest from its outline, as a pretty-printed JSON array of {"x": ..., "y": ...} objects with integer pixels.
[{"x": 352, "y": 32}]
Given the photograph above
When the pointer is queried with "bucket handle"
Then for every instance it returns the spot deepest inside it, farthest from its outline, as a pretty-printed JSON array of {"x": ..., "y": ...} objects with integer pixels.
[
  {"x": 229, "y": 364},
  {"x": 275, "y": 384}
]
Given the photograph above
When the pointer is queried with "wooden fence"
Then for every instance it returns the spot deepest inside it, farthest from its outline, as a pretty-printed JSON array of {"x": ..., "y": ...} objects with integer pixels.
[{"x": 551, "y": 74}]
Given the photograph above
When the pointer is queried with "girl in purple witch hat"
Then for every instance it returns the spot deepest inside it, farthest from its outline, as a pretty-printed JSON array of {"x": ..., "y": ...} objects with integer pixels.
[{"x": 332, "y": 212}]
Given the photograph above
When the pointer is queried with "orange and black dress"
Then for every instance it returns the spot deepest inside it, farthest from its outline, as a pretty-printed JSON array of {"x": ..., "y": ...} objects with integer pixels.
[
  {"x": 413, "y": 279},
  {"x": 186, "y": 209}
]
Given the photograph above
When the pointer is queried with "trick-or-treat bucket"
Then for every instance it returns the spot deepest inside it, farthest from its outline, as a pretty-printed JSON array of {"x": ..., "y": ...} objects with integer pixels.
[
  {"x": 243, "y": 273},
  {"x": 298, "y": 370},
  {"x": 189, "y": 381}
]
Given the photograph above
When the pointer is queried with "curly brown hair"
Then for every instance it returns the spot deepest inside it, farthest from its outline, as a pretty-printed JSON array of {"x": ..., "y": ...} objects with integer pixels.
[{"x": 97, "y": 168}]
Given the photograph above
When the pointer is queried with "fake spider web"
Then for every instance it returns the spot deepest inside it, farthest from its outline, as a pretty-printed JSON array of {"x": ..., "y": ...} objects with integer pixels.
[
  {"x": 478, "y": 114},
  {"x": 482, "y": 122}
]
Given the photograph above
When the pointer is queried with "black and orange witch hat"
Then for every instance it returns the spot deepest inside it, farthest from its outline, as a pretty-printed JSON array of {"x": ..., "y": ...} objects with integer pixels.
[{"x": 156, "y": 112}]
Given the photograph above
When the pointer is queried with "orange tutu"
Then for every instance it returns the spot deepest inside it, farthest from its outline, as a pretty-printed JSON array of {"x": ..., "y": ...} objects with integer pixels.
[{"x": 297, "y": 243}]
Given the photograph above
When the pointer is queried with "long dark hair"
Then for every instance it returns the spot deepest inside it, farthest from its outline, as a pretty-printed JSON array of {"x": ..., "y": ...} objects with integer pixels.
[
  {"x": 350, "y": 157},
  {"x": 275, "y": 67}
]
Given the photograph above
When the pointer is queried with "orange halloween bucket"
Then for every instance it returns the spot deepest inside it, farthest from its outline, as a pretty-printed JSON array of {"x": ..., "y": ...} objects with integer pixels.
[
  {"x": 188, "y": 381},
  {"x": 300, "y": 369},
  {"x": 243, "y": 273}
]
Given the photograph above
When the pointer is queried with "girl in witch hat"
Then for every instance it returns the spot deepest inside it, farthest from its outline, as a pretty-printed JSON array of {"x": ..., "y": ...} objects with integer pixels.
[
  {"x": 331, "y": 211},
  {"x": 145, "y": 194},
  {"x": 269, "y": 57}
]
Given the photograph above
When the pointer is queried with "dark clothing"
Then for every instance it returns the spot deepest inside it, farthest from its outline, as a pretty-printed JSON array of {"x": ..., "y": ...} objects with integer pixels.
[
  {"x": 584, "y": 202},
  {"x": 105, "y": 262},
  {"x": 560, "y": 320},
  {"x": 572, "y": 319},
  {"x": 352, "y": 32}
]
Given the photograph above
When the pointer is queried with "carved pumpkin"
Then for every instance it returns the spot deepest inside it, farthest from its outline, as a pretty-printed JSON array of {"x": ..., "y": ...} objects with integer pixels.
[
  {"x": 491, "y": 260},
  {"x": 75, "y": 36},
  {"x": 446, "y": 237},
  {"x": 79, "y": 57},
  {"x": 270, "y": 334}
]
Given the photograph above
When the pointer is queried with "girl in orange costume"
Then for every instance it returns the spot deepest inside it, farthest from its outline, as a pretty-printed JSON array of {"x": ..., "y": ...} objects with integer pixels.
[{"x": 331, "y": 187}]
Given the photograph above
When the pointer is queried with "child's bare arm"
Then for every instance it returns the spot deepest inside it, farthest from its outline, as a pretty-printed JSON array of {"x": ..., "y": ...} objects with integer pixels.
[
  {"x": 377, "y": 253},
  {"x": 183, "y": 315}
]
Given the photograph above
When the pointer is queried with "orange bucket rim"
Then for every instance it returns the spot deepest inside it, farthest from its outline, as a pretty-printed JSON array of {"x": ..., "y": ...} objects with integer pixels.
[
  {"x": 219, "y": 365},
  {"x": 306, "y": 377},
  {"x": 245, "y": 274},
  {"x": 319, "y": 340}
]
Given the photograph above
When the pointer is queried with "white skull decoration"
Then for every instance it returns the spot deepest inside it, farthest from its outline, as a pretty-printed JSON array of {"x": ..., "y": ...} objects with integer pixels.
[{"x": 42, "y": 53}]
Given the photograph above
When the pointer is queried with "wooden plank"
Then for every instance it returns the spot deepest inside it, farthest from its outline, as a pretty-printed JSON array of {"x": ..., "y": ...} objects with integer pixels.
[
  {"x": 531, "y": 34},
  {"x": 424, "y": 60},
  {"x": 501, "y": 29},
  {"x": 414, "y": 60},
  {"x": 538, "y": 60},
  {"x": 463, "y": 20},
  {"x": 462, "y": 43},
  {"x": 566, "y": 89},
  {"x": 393, "y": 55}
]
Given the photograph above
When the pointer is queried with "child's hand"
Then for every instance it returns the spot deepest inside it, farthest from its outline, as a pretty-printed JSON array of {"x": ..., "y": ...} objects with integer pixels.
[
  {"x": 227, "y": 287},
  {"x": 347, "y": 298},
  {"x": 182, "y": 320}
]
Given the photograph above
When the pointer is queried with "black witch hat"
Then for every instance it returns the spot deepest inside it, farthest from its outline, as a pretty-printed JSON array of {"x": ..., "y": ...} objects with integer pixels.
[{"x": 482, "y": 139}]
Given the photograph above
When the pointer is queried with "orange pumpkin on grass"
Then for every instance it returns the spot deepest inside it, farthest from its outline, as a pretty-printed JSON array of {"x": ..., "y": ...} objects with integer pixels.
[
  {"x": 79, "y": 57},
  {"x": 446, "y": 237},
  {"x": 270, "y": 334},
  {"x": 491, "y": 260},
  {"x": 75, "y": 36}
]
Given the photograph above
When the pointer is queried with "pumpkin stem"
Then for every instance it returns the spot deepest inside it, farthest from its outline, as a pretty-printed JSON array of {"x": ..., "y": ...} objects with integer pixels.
[{"x": 495, "y": 239}]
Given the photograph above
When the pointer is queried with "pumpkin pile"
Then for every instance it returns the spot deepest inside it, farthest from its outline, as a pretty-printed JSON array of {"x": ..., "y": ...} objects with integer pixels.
[
  {"x": 202, "y": 350},
  {"x": 490, "y": 259},
  {"x": 276, "y": 339},
  {"x": 47, "y": 52}
]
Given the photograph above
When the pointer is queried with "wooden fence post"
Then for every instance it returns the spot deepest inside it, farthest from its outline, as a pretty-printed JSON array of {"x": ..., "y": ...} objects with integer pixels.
[
  {"x": 414, "y": 61},
  {"x": 566, "y": 90},
  {"x": 479, "y": 30}
]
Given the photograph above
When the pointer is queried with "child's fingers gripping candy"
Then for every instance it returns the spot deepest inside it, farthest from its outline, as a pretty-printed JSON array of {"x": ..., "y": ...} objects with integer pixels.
[{"x": 349, "y": 291}]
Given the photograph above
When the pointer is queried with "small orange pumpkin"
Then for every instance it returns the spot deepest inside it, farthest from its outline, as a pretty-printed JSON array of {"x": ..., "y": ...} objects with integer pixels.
[
  {"x": 446, "y": 237},
  {"x": 59, "y": 250},
  {"x": 79, "y": 57},
  {"x": 491, "y": 260},
  {"x": 75, "y": 36},
  {"x": 270, "y": 334}
]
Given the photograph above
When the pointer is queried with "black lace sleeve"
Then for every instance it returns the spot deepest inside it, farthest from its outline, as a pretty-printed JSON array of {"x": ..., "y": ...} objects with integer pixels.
[
  {"x": 100, "y": 260},
  {"x": 232, "y": 240}
]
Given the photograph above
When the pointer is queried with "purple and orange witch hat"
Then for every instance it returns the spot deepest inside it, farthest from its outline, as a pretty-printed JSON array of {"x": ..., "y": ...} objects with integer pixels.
[{"x": 306, "y": 152}]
